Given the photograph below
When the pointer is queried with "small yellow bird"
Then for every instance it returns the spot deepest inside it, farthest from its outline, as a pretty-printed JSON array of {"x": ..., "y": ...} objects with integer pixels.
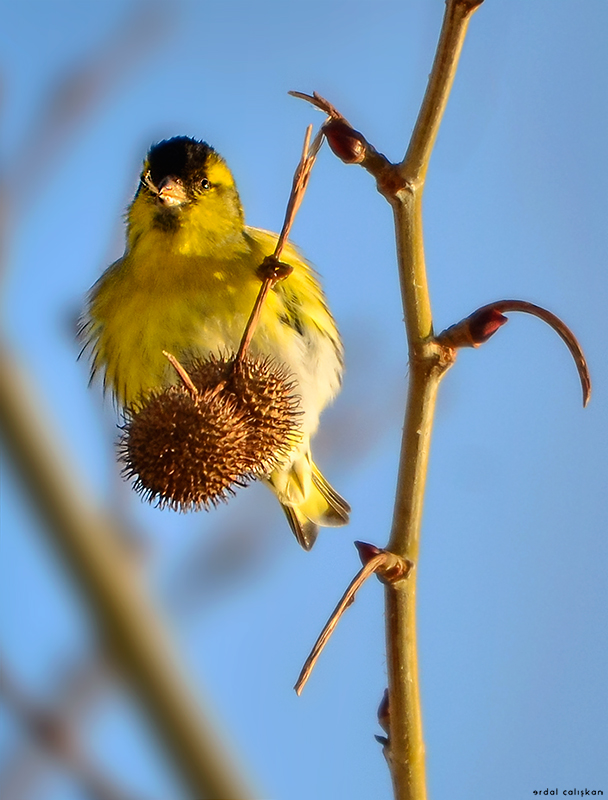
[{"x": 187, "y": 284}]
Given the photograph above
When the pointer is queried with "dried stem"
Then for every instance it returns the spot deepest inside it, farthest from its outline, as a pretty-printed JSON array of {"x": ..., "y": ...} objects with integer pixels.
[
  {"x": 562, "y": 330},
  {"x": 299, "y": 186},
  {"x": 485, "y": 321},
  {"x": 272, "y": 269},
  {"x": 347, "y": 599},
  {"x": 387, "y": 566},
  {"x": 182, "y": 373},
  {"x": 267, "y": 284}
]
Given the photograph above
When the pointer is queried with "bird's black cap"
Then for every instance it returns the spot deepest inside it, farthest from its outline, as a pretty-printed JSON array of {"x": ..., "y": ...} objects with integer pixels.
[{"x": 181, "y": 157}]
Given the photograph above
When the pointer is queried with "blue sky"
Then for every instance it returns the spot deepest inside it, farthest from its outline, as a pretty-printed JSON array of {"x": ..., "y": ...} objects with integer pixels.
[{"x": 513, "y": 571}]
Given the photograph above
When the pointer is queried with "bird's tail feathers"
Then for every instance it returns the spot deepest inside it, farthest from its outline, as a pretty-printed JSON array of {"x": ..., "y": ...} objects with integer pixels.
[
  {"x": 303, "y": 529},
  {"x": 308, "y": 501},
  {"x": 337, "y": 510}
]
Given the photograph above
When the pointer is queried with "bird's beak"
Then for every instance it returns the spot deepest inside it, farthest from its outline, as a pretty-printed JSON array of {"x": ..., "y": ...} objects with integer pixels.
[{"x": 171, "y": 192}]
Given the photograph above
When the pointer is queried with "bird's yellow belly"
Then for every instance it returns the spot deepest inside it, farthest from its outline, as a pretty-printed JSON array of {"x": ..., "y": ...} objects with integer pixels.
[{"x": 191, "y": 313}]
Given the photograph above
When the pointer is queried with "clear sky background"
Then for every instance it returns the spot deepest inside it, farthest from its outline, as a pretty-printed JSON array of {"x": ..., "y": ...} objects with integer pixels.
[{"x": 513, "y": 569}]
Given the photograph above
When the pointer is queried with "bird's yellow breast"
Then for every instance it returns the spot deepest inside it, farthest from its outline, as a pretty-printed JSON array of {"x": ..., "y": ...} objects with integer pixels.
[{"x": 162, "y": 296}]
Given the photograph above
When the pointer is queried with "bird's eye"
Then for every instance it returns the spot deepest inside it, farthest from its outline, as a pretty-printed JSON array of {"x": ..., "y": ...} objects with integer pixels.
[{"x": 205, "y": 184}]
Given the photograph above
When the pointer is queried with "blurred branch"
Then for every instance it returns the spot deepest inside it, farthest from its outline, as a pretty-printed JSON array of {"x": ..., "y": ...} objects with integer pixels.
[
  {"x": 80, "y": 91},
  {"x": 92, "y": 543},
  {"x": 127, "y": 618},
  {"x": 80, "y": 685},
  {"x": 71, "y": 99},
  {"x": 53, "y": 732}
]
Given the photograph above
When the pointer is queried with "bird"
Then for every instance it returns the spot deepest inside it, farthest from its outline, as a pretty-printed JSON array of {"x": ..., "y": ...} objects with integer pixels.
[{"x": 187, "y": 283}]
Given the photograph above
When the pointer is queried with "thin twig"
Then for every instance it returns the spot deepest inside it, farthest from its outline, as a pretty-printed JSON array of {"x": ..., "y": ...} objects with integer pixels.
[
  {"x": 429, "y": 356},
  {"x": 272, "y": 268},
  {"x": 562, "y": 330},
  {"x": 428, "y": 362},
  {"x": 347, "y": 599},
  {"x": 183, "y": 375},
  {"x": 451, "y": 39}
]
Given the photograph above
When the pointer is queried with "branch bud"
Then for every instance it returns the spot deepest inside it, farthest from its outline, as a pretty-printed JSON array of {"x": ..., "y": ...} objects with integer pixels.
[
  {"x": 390, "y": 567},
  {"x": 383, "y": 713},
  {"x": 473, "y": 330},
  {"x": 484, "y": 324},
  {"x": 367, "y": 551},
  {"x": 346, "y": 143}
]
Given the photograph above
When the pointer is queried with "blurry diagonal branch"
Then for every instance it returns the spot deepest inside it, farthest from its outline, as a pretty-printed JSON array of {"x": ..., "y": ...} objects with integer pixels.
[
  {"x": 76, "y": 94},
  {"x": 52, "y": 731},
  {"x": 132, "y": 626},
  {"x": 74, "y": 695},
  {"x": 72, "y": 97},
  {"x": 93, "y": 544}
]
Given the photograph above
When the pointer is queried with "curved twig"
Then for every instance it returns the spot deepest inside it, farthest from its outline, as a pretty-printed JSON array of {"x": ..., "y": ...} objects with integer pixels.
[
  {"x": 473, "y": 331},
  {"x": 319, "y": 102},
  {"x": 347, "y": 599},
  {"x": 387, "y": 566}
]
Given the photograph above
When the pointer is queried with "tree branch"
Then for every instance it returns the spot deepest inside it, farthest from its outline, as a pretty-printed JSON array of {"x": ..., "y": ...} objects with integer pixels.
[
  {"x": 131, "y": 625},
  {"x": 402, "y": 185}
]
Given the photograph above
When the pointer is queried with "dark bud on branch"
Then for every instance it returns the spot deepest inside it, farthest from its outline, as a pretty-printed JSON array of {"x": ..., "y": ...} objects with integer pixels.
[
  {"x": 389, "y": 567},
  {"x": 273, "y": 269},
  {"x": 188, "y": 450},
  {"x": 367, "y": 551},
  {"x": 384, "y": 721},
  {"x": 53, "y": 733},
  {"x": 474, "y": 330},
  {"x": 346, "y": 143},
  {"x": 484, "y": 324},
  {"x": 383, "y": 713}
]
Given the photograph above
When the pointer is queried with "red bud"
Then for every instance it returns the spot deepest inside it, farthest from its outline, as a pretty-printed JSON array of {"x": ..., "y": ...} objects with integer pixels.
[
  {"x": 347, "y": 143},
  {"x": 474, "y": 329},
  {"x": 485, "y": 323},
  {"x": 383, "y": 713},
  {"x": 367, "y": 551}
]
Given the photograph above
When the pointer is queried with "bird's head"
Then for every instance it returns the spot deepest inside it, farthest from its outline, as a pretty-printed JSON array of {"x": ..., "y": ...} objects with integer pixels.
[{"x": 185, "y": 186}]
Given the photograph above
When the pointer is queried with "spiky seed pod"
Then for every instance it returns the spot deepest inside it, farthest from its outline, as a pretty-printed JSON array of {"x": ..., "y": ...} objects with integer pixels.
[
  {"x": 188, "y": 450},
  {"x": 264, "y": 392},
  {"x": 183, "y": 451}
]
